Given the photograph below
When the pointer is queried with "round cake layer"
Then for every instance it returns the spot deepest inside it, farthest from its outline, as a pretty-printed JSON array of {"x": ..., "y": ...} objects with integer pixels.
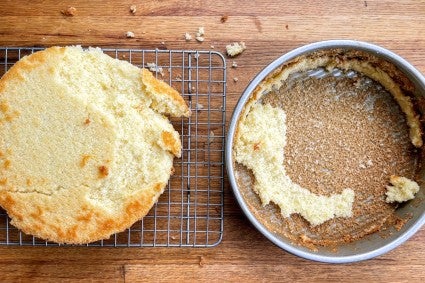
[{"x": 85, "y": 149}]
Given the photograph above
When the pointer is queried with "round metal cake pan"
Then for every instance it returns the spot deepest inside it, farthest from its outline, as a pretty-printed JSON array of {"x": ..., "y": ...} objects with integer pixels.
[{"x": 372, "y": 245}]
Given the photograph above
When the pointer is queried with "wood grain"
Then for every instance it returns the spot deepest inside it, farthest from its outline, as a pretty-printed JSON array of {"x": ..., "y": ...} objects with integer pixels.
[{"x": 269, "y": 28}]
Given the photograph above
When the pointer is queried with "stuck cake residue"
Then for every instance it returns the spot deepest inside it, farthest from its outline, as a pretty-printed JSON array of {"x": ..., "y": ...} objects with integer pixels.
[
  {"x": 402, "y": 189},
  {"x": 259, "y": 146}
]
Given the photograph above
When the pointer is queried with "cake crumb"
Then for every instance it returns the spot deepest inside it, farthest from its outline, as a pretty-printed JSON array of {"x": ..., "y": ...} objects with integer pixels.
[
  {"x": 234, "y": 64},
  {"x": 201, "y": 261},
  {"x": 235, "y": 79},
  {"x": 69, "y": 12},
  {"x": 201, "y": 31},
  {"x": 199, "y": 106},
  {"x": 130, "y": 34},
  {"x": 200, "y": 34},
  {"x": 211, "y": 137},
  {"x": 402, "y": 189},
  {"x": 224, "y": 18},
  {"x": 154, "y": 68},
  {"x": 235, "y": 48},
  {"x": 200, "y": 38},
  {"x": 187, "y": 36},
  {"x": 133, "y": 9}
]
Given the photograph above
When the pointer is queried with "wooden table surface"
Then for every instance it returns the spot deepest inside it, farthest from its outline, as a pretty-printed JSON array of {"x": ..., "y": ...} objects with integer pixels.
[{"x": 269, "y": 28}]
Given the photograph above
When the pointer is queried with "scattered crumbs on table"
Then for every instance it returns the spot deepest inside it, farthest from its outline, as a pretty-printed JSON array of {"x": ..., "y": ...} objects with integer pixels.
[
  {"x": 69, "y": 12},
  {"x": 130, "y": 34}
]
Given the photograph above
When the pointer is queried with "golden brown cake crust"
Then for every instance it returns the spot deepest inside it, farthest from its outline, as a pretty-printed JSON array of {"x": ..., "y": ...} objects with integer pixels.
[
  {"x": 161, "y": 91},
  {"x": 29, "y": 214}
]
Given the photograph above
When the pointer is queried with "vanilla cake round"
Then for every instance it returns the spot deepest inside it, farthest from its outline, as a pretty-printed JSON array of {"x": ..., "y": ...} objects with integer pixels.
[{"x": 86, "y": 148}]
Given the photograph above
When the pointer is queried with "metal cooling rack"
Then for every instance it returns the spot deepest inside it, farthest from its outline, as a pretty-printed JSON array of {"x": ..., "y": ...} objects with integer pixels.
[{"x": 190, "y": 212}]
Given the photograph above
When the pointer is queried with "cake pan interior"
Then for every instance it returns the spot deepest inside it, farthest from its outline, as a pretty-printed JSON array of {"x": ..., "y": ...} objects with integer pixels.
[{"x": 368, "y": 246}]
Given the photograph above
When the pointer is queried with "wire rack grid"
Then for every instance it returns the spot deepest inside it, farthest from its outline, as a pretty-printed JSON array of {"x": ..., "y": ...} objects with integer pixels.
[{"x": 190, "y": 212}]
